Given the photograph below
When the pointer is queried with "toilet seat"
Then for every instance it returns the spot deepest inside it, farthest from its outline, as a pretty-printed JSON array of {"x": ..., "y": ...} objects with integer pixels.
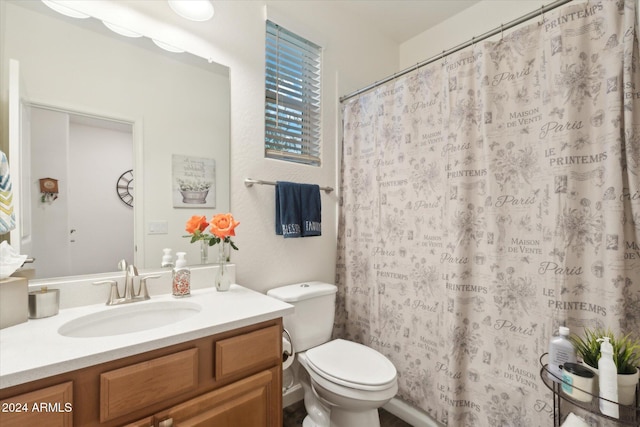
[{"x": 352, "y": 365}]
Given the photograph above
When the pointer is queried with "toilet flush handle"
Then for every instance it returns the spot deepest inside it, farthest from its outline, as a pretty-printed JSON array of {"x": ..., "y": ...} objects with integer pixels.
[{"x": 287, "y": 354}]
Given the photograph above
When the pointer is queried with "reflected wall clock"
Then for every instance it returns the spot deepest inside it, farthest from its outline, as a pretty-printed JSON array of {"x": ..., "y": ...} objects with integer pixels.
[{"x": 124, "y": 187}]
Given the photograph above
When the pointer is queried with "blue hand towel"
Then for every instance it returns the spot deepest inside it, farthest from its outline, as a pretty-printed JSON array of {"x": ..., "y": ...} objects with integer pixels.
[
  {"x": 288, "y": 215},
  {"x": 310, "y": 210}
]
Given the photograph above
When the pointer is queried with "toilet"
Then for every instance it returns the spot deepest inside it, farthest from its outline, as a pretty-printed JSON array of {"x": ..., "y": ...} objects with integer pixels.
[{"x": 344, "y": 382}]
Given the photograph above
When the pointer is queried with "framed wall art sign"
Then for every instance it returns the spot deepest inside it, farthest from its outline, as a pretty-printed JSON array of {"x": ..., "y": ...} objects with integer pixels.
[{"x": 194, "y": 182}]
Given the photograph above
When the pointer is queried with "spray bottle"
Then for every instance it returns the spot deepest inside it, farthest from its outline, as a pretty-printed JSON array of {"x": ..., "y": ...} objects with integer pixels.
[{"x": 608, "y": 379}]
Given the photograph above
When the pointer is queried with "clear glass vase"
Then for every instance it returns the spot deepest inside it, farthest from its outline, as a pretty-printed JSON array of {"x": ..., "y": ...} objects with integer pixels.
[
  {"x": 223, "y": 277},
  {"x": 204, "y": 252}
]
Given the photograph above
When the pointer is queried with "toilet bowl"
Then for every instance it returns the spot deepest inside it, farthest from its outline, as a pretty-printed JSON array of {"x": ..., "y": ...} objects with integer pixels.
[
  {"x": 351, "y": 380},
  {"x": 344, "y": 382}
]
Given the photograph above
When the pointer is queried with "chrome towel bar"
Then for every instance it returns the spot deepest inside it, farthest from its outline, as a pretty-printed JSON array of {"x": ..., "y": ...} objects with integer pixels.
[{"x": 250, "y": 183}]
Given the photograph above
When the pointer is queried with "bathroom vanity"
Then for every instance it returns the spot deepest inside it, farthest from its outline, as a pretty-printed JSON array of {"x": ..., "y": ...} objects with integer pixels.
[{"x": 222, "y": 364}]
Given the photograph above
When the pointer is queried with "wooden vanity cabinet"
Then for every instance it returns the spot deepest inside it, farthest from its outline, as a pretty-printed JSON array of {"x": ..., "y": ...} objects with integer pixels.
[{"x": 229, "y": 379}]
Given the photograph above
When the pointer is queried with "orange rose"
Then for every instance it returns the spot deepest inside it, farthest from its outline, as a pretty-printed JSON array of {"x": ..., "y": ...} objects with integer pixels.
[
  {"x": 197, "y": 223},
  {"x": 223, "y": 225}
]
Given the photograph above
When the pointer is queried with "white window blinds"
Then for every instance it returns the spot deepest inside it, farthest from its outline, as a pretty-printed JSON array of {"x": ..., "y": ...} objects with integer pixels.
[{"x": 292, "y": 97}]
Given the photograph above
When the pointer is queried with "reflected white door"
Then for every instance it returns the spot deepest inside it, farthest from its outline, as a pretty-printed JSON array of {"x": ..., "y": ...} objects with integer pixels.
[
  {"x": 100, "y": 224},
  {"x": 19, "y": 156},
  {"x": 86, "y": 229}
]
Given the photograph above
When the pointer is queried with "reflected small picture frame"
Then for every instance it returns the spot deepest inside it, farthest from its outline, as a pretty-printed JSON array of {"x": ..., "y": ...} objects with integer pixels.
[
  {"x": 194, "y": 182},
  {"x": 48, "y": 185}
]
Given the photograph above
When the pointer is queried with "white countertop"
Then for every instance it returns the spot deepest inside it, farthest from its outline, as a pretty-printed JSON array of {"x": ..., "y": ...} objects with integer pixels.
[{"x": 34, "y": 350}]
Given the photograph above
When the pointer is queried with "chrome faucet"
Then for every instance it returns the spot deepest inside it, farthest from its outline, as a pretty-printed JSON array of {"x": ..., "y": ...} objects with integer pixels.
[
  {"x": 131, "y": 273},
  {"x": 130, "y": 295}
]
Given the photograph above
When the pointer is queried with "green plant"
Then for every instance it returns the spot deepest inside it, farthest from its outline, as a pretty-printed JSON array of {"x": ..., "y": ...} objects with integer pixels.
[
  {"x": 588, "y": 348},
  {"x": 626, "y": 350}
]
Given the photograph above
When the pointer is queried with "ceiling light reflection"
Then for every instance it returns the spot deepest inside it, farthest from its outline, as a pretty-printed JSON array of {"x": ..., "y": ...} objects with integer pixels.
[
  {"x": 67, "y": 11},
  {"x": 194, "y": 10},
  {"x": 167, "y": 47},
  {"x": 120, "y": 30}
]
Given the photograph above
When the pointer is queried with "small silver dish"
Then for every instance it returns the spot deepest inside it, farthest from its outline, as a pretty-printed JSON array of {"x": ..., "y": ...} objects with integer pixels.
[{"x": 44, "y": 303}]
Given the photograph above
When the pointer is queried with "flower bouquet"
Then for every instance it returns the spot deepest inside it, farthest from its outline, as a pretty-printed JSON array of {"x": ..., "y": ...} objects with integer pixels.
[{"x": 222, "y": 228}]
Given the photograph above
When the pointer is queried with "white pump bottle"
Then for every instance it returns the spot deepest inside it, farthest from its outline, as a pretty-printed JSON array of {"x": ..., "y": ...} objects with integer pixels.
[{"x": 608, "y": 379}]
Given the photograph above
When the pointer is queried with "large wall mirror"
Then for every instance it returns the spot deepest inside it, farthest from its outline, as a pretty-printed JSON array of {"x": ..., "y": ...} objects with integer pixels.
[{"x": 115, "y": 105}]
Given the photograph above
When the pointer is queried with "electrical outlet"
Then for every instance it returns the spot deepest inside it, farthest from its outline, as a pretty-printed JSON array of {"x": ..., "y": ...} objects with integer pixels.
[{"x": 158, "y": 227}]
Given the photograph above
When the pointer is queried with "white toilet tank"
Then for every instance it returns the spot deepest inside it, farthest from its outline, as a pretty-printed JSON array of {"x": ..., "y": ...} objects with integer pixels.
[{"x": 312, "y": 322}]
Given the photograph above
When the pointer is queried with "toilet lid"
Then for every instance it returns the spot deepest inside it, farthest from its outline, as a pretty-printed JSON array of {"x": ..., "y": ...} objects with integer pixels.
[{"x": 352, "y": 363}]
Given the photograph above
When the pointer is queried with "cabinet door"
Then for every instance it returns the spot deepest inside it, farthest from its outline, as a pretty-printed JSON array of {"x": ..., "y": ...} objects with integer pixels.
[
  {"x": 248, "y": 353},
  {"x": 145, "y": 422},
  {"x": 248, "y": 402},
  {"x": 50, "y": 406}
]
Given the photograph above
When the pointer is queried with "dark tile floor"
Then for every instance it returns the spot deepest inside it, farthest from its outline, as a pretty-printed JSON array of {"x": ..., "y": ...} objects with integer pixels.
[{"x": 294, "y": 414}]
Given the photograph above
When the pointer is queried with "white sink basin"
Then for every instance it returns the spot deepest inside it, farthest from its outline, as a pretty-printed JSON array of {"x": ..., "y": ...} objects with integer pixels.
[{"x": 126, "y": 319}]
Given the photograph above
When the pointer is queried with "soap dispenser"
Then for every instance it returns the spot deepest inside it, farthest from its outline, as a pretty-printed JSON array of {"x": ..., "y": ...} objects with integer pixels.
[
  {"x": 607, "y": 379},
  {"x": 181, "y": 277},
  {"x": 167, "y": 258}
]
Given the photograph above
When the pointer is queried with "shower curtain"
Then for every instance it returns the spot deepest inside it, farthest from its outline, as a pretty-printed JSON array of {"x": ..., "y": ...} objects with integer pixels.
[{"x": 487, "y": 199}]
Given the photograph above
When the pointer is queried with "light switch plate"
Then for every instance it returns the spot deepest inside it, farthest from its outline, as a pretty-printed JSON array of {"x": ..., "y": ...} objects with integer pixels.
[{"x": 158, "y": 227}]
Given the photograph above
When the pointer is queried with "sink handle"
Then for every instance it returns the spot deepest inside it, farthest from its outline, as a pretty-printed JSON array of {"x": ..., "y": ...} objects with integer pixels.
[
  {"x": 144, "y": 292},
  {"x": 114, "y": 295}
]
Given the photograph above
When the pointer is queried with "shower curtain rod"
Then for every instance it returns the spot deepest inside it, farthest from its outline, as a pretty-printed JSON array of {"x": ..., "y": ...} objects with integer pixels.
[{"x": 461, "y": 46}]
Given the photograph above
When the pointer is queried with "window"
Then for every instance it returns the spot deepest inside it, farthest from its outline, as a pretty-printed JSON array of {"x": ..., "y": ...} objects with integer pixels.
[{"x": 292, "y": 97}]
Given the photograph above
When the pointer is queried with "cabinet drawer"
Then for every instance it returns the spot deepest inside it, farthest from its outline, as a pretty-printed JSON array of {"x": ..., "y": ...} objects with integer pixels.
[
  {"x": 136, "y": 386},
  {"x": 50, "y": 406},
  {"x": 248, "y": 352}
]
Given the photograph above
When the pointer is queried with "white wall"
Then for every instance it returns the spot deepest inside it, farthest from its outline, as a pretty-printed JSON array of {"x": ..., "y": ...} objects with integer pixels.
[
  {"x": 353, "y": 57},
  {"x": 478, "y": 19}
]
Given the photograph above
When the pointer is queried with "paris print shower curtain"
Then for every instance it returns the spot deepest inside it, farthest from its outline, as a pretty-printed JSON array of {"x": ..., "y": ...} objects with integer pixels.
[{"x": 487, "y": 199}]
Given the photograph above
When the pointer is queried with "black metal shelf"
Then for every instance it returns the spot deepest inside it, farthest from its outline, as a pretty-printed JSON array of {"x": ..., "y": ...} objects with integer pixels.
[{"x": 629, "y": 414}]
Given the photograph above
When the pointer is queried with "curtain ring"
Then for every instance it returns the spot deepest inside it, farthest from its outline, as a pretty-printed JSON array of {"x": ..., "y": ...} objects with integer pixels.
[
  {"x": 501, "y": 31},
  {"x": 541, "y": 14}
]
